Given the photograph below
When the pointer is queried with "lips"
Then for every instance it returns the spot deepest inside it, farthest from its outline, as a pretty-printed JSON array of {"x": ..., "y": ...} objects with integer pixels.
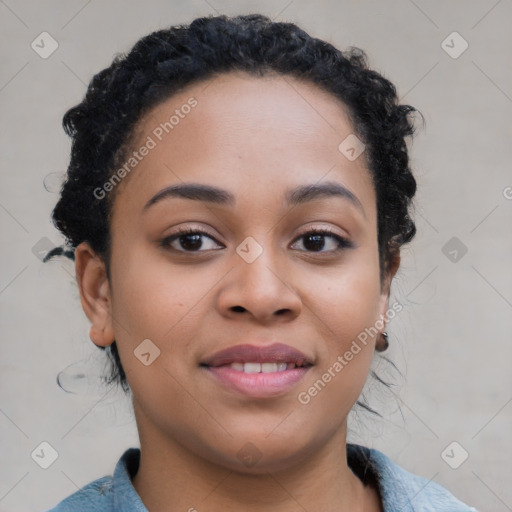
[
  {"x": 278, "y": 353},
  {"x": 258, "y": 371}
]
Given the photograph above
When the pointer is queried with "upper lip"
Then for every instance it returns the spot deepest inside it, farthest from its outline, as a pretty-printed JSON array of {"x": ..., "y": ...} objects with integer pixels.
[{"x": 277, "y": 352}]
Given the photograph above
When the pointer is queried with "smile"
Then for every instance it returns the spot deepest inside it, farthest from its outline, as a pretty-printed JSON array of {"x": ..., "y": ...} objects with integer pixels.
[
  {"x": 268, "y": 367},
  {"x": 258, "y": 371}
]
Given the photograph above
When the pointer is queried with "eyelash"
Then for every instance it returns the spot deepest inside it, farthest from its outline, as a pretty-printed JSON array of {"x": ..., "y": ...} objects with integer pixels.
[{"x": 343, "y": 243}]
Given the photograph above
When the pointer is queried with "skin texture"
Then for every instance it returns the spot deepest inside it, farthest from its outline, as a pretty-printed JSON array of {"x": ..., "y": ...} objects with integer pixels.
[{"x": 257, "y": 138}]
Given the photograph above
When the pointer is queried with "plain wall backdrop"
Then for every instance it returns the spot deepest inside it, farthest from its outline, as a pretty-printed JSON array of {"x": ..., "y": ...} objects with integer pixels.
[{"x": 452, "y": 340}]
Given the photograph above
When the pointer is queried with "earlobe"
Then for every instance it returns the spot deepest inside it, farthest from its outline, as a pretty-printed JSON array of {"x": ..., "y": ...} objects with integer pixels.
[
  {"x": 94, "y": 290},
  {"x": 101, "y": 338}
]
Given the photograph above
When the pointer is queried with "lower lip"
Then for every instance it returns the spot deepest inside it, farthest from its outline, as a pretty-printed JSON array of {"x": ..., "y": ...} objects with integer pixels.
[{"x": 260, "y": 385}]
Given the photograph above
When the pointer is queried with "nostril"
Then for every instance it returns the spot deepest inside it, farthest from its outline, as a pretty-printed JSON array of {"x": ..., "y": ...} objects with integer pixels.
[{"x": 238, "y": 309}]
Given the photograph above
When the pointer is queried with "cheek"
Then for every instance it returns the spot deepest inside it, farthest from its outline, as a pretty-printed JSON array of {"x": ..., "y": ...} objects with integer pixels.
[
  {"x": 345, "y": 315},
  {"x": 153, "y": 301},
  {"x": 350, "y": 299}
]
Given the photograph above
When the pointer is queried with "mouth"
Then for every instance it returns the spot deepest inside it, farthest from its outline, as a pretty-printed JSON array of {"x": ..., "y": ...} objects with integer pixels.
[
  {"x": 265, "y": 367},
  {"x": 258, "y": 371}
]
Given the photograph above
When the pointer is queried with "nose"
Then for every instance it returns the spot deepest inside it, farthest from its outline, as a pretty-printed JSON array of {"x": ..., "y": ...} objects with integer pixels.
[{"x": 262, "y": 290}]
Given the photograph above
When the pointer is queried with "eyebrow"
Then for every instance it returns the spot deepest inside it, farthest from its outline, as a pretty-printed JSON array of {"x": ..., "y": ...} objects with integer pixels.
[{"x": 294, "y": 197}]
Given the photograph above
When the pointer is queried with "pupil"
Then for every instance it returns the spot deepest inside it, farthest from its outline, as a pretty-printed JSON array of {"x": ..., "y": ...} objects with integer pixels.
[
  {"x": 196, "y": 244},
  {"x": 318, "y": 243}
]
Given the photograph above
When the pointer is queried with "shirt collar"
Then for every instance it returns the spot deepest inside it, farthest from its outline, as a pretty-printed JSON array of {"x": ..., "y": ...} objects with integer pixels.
[
  {"x": 126, "y": 498},
  {"x": 398, "y": 488}
]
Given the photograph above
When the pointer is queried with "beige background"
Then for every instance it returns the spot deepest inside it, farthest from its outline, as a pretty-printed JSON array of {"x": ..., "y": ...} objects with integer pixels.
[{"x": 453, "y": 338}]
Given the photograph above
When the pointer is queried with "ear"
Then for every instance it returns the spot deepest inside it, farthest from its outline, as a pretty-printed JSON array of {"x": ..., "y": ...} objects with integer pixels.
[
  {"x": 392, "y": 269},
  {"x": 95, "y": 297}
]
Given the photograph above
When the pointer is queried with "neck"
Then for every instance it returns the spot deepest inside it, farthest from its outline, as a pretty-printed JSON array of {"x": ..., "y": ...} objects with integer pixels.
[{"x": 172, "y": 478}]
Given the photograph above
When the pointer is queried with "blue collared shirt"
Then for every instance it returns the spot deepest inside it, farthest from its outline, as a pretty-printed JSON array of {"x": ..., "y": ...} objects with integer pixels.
[{"x": 400, "y": 490}]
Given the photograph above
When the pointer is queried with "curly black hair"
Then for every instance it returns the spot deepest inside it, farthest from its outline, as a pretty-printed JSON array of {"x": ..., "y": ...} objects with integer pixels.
[{"x": 103, "y": 125}]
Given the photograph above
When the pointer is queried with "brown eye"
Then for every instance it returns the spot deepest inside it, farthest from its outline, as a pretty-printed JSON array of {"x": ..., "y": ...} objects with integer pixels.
[
  {"x": 190, "y": 240},
  {"x": 318, "y": 240}
]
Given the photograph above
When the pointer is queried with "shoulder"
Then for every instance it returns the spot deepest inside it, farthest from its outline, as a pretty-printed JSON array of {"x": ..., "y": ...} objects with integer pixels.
[
  {"x": 94, "y": 497},
  {"x": 400, "y": 489},
  {"x": 109, "y": 493}
]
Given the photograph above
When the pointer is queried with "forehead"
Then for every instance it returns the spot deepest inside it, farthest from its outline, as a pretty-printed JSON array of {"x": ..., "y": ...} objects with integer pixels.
[
  {"x": 274, "y": 103},
  {"x": 241, "y": 132}
]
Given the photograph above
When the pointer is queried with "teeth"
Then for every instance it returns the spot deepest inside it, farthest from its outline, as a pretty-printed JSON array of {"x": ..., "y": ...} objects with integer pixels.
[
  {"x": 268, "y": 367},
  {"x": 252, "y": 367},
  {"x": 262, "y": 367}
]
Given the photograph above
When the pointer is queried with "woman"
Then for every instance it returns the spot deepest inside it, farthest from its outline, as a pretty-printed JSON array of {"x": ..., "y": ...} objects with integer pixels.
[{"x": 236, "y": 200}]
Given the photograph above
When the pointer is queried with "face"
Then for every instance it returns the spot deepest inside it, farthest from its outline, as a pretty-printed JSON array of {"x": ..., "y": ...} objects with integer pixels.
[{"x": 258, "y": 256}]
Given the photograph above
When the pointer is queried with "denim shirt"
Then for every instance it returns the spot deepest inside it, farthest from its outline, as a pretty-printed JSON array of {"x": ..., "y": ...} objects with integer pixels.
[{"x": 400, "y": 490}]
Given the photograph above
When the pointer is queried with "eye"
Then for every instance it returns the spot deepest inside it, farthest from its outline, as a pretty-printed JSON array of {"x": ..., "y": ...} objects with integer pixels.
[
  {"x": 190, "y": 240},
  {"x": 315, "y": 241}
]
